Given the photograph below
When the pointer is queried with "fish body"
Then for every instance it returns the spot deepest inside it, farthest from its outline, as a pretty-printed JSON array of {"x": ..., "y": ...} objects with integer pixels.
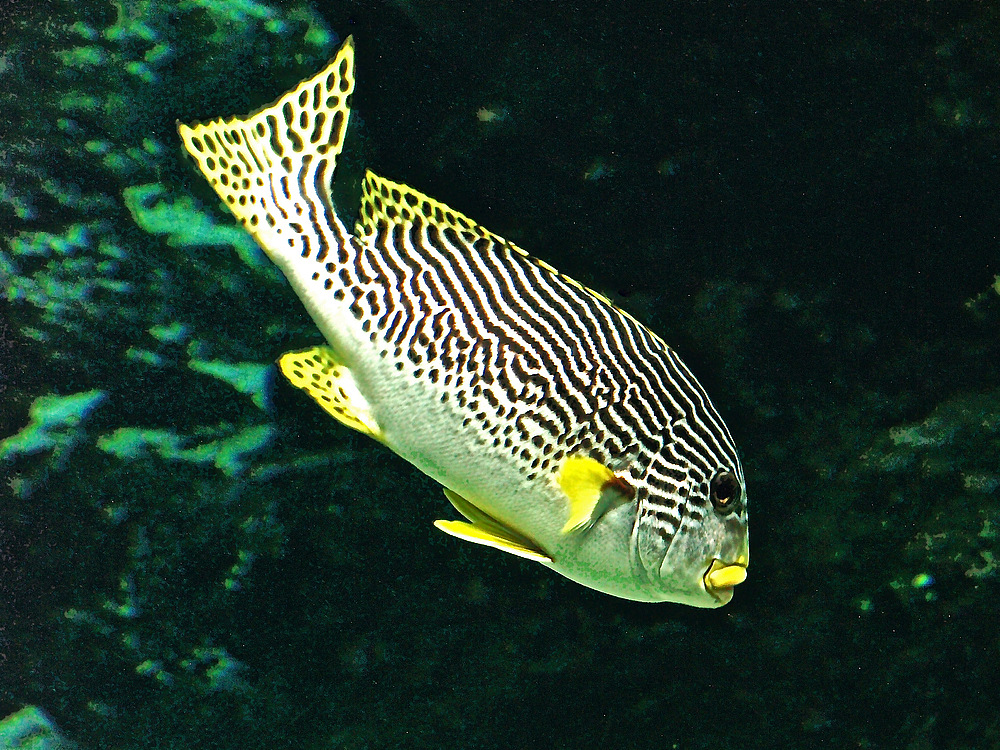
[{"x": 562, "y": 429}]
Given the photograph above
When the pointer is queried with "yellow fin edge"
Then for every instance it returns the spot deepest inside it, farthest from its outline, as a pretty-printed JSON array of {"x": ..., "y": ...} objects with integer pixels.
[
  {"x": 583, "y": 479},
  {"x": 240, "y": 155},
  {"x": 332, "y": 386},
  {"x": 488, "y": 531}
]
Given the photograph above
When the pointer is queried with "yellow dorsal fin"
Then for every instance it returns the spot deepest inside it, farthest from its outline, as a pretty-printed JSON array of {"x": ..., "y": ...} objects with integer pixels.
[
  {"x": 332, "y": 386},
  {"x": 303, "y": 129},
  {"x": 592, "y": 488},
  {"x": 488, "y": 531},
  {"x": 383, "y": 200}
]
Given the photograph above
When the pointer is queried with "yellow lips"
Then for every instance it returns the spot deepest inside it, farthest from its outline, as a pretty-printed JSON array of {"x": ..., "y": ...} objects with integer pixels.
[{"x": 721, "y": 576}]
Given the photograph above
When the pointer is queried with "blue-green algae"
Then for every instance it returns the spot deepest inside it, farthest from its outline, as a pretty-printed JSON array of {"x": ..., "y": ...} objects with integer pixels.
[{"x": 56, "y": 423}]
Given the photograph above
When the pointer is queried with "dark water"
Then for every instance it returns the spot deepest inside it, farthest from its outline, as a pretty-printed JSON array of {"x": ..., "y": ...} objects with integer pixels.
[{"x": 803, "y": 200}]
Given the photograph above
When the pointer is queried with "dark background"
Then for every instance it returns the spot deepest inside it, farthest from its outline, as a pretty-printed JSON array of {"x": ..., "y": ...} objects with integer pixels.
[{"x": 801, "y": 199}]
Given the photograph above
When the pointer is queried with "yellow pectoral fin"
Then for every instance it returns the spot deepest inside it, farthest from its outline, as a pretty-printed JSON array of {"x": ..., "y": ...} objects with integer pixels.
[
  {"x": 486, "y": 530},
  {"x": 584, "y": 481},
  {"x": 332, "y": 386}
]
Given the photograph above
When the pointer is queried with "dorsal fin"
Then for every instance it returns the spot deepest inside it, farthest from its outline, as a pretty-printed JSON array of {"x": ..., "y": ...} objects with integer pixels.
[
  {"x": 251, "y": 160},
  {"x": 393, "y": 203},
  {"x": 396, "y": 203}
]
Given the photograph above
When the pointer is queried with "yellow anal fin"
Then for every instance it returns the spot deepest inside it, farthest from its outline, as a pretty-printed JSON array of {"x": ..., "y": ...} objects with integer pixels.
[
  {"x": 592, "y": 490},
  {"x": 488, "y": 531},
  {"x": 303, "y": 129},
  {"x": 332, "y": 386}
]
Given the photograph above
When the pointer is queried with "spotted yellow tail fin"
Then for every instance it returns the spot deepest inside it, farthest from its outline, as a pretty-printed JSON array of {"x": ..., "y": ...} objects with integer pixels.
[{"x": 273, "y": 168}]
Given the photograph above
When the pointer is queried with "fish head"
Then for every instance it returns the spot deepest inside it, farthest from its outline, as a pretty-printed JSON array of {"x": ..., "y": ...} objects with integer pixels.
[{"x": 690, "y": 539}]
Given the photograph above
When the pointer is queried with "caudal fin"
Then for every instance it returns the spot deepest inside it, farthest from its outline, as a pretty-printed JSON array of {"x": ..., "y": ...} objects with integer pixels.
[{"x": 274, "y": 167}]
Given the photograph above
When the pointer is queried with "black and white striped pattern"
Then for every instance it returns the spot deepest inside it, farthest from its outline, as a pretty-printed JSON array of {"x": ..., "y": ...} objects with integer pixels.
[{"x": 540, "y": 366}]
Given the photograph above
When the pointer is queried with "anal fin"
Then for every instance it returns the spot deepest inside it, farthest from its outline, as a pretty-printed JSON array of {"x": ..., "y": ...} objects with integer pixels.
[
  {"x": 488, "y": 531},
  {"x": 592, "y": 489},
  {"x": 332, "y": 386}
]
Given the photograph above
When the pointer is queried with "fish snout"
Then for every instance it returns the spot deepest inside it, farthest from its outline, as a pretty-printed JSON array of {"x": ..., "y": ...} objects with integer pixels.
[{"x": 721, "y": 578}]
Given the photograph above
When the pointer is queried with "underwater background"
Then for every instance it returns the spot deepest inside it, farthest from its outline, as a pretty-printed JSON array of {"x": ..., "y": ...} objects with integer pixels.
[{"x": 804, "y": 200}]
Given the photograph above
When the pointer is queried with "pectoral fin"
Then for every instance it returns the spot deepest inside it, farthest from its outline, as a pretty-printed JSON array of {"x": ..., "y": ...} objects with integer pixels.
[
  {"x": 592, "y": 489},
  {"x": 486, "y": 530},
  {"x": 332, "y": 386}
]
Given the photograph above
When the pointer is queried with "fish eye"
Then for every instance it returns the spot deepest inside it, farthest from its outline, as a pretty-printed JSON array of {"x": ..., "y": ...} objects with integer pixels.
[{"x": 725, "y": 492}]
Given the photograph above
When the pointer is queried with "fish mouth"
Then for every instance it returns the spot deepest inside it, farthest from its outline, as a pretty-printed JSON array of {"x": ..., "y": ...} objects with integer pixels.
[{"x": 722, "y": 577}]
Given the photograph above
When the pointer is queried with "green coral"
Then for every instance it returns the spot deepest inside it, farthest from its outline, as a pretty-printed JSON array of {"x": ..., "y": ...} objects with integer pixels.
[
  {"x": 248, "y": 378},
  {"x": 56, "y": 426},
  {"x": 32, "y": 729},
  {"x": 223, "y": 447},
  {"x": 183, "y": 226},
  {"x": 149, "y": 338},
  {"x": 955, "y": 452}
]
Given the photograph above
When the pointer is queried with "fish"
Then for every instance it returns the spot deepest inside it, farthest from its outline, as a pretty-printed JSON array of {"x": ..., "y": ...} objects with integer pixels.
[{"x": 562, "y": 430}]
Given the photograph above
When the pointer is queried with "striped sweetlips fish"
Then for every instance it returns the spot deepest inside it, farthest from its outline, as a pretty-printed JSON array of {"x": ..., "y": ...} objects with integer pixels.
[{"x": 562, "y": 429}]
